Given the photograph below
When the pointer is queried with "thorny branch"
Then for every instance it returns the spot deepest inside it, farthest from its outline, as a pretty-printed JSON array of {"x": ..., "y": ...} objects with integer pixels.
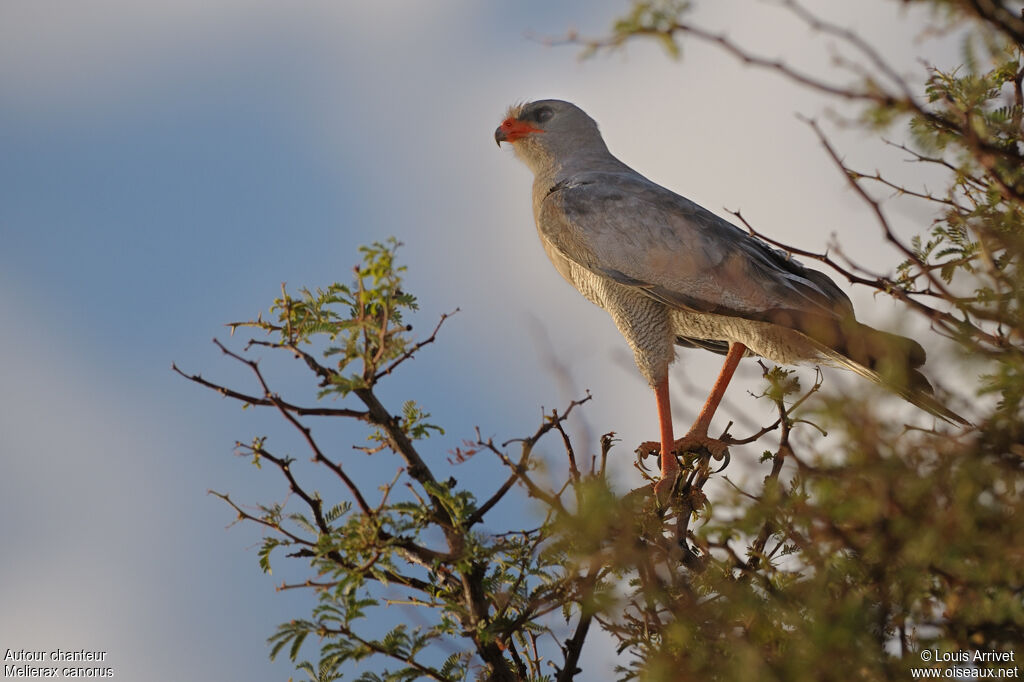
[
  {"x": 409, "y": 353},
  {"x": 254, "y": 400}
]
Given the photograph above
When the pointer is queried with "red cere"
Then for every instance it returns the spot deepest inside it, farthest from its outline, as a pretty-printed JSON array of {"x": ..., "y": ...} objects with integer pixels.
[{"x": 515, "y": 129}]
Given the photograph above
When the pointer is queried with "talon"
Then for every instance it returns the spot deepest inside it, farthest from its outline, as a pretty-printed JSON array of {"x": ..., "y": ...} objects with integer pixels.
[
  {"x": 725, "y": 463},
  {"x": 648, "y": 448}
]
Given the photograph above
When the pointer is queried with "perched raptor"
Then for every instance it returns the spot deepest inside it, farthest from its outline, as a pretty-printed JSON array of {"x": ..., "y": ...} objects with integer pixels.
[{"x": 671, "y": 273}]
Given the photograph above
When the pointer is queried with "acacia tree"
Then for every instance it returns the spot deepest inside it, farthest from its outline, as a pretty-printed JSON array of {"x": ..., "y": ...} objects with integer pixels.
[{"x": 855, "y": 554}]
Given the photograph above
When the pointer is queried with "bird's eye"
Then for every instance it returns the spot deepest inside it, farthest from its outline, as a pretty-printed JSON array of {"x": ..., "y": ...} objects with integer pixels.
[{"x": 543, "y": 114}]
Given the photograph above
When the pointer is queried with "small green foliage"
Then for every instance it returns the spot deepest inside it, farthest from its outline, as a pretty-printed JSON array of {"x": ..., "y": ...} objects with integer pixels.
[
  {"x": 291, "y": 634},
  {"x": 657, "y": 19},
  {"x": 414, "y": 421},
  {"x": 269, "y": 543},
  {"x": 270, "y": 515},
  {"x": 782, "y": 383},
  {"x": 359, "y": 327},
  {"x": 326, "y": 672}
]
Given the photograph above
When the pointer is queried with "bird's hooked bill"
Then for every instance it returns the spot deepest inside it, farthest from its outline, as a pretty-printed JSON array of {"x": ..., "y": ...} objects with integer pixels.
[{"x": 512, "y": 129}]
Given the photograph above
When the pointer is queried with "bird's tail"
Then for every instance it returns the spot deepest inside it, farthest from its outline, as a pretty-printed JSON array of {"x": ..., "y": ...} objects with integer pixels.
[{"x": 887, "y": 359}]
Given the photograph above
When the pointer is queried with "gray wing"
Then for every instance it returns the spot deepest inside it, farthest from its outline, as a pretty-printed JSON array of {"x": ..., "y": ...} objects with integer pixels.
[{"x": 623, "y": 226}]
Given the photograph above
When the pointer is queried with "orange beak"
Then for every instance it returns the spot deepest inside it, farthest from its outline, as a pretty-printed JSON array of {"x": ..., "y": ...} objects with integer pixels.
[{"x": 512, "y": 129}]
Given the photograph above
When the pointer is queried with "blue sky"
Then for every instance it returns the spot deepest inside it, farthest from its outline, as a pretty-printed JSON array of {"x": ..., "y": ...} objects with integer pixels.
[{"x": 165, "y": 166}]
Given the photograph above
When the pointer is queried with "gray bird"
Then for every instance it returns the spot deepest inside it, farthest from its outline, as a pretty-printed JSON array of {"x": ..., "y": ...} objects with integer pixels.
[{"x": 669, "y": 272}]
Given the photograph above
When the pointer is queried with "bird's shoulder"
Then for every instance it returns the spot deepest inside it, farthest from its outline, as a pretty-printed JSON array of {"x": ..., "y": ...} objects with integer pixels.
[{"x": 612, "y": 195}]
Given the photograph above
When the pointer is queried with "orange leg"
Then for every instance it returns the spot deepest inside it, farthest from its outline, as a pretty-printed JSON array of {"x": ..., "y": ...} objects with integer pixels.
[
  {"x": 698, "y": 433},
  {"x": 669, "y": 465},
  {"x": 732, "y": 361}
]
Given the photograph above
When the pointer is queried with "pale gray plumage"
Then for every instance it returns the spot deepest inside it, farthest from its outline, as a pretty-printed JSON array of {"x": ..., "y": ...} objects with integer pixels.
[{"x": 668, "y": 271}]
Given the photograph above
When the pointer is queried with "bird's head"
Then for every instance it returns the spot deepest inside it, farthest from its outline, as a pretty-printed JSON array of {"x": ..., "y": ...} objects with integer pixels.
[{"x": 549, "y": 132}]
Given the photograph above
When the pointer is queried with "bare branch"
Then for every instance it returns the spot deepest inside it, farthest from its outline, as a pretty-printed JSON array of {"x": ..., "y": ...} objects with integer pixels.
[
  {"x": 519, "y": 469},
  {"x": 253, "y": 400},
  {"x": 851, "y": 38},
  {"x": 412, "y": 351}
]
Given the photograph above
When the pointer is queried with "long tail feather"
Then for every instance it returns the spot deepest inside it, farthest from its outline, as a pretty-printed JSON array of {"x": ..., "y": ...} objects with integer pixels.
[{"x": 891, "y": 361}]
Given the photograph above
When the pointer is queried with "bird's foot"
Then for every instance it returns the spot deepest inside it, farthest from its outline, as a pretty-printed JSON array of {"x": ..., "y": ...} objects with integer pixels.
[
  {"x": 693, "y": 442},
  {"x": 696, "y": 442},
  {"x": 666, "y": 484},
  {"x": 647, "y": 449}
]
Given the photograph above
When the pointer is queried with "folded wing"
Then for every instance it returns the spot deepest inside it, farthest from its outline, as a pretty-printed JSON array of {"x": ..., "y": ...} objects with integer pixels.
[{"x": 622, "y": 226}]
